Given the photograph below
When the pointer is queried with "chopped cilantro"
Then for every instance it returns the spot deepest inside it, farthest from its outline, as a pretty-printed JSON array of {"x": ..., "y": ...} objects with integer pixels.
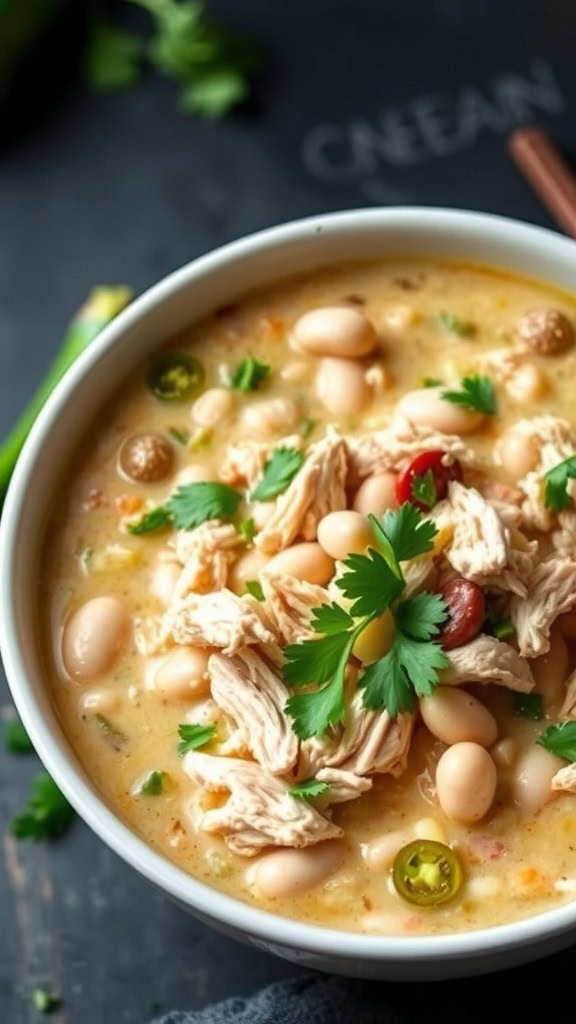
[
  {"x": 47, "y": 814},
  {"x": 423, "y": 489},
  {"x": 190, "y": 506},
  {"x": 194, "y": 736},
  {"x": 529, "y": 705},
  {"x": 180, "y": 435},
  {"x": 153, "y": 784},
  {"x": 556, "y": 495},
  {"x": 254, "y": 587},
  {"x": 560, "y": 740},
  {"x": 432, "y": 382},
  {"x": 309, "y": 789},
  {"x": 279, "y": 471},
  {"x": 45, "y": 1001},
  {"x": 477, "y": 393},
  {"x": 453, "y": 324},
  {"x": 249, "y": 374},
  {"x": 157, "y": 519},
  {"x": 247, "y": 530}
]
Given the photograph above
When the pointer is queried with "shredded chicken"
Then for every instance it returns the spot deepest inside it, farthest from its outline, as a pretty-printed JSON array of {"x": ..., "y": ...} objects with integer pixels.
[
  {"x": 391, "y": 448},
  {"x": 259, "y": 811},
  {"x": 488, "y": 660},
  {"x": 220, "y": 620},
  {"x": 569, "y": 705},
  {"x": 552, "y": 591},
  {"x": 564, "y": 537},
  {"x": 289, "y": 603},
  {"x": 565, "y": 780},
  {"x": 152, "y": 636},
  {"x": 554, "y": 440},
  {"x": 343, "y": 785},
  {"x": 206, "y": 554},
  {"x": 316, "y": 490},
  {"x": 501, "y": 363},
  {"x": 247, "y": 690},
  {"x": 244, "y": 462}
]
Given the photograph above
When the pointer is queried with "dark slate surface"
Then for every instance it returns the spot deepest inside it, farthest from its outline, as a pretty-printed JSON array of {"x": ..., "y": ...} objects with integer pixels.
[{"x": 359, "y": 103}]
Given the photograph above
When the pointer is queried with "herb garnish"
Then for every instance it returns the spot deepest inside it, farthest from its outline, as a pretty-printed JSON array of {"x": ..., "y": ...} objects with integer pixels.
[
  {"x": 529, "y": 705},
  {"x": 153, "y": 784},
  {"x": 453, "y": 324},
  {"x": 190, "y": 506},
  {"x": 477, "y": 393},
  {"x": 374, "y": 583},
  {"x": 16, "y": 739},
  {"x": 249, "y": 374},
  {"x": 556, "y": 495},
  {"x": 560, "y": 740},
  {"x": 309, "y": 789},
  {"x": 307, "y": 427},
  {"x": 432, "y": 382},
  {"x": 247, "y": 529},
  {"x": 278, "y": 473},
  {"x": 254, "y": 587},
  {"x": 194, "y": 736},
  {"x": 498, "y": 626},
  {"x": 45, "y": 1001},
  {"x": 180, "y": 435},
  {"x": 424, "y": 489},
  {"x": 47, "y": 814}
]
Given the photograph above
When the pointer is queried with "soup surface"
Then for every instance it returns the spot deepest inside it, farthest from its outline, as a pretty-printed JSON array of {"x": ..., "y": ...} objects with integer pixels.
[{"x": 395, "y": 445}]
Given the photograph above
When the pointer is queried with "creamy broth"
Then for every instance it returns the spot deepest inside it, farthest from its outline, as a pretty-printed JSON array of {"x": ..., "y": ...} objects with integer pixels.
[{"x": 519, "y": 857}]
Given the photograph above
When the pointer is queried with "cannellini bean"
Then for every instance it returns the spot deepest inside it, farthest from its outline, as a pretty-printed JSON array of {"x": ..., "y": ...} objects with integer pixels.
[
  {"x": 94, "y": 636},
  {"x": 504, "y": 752},
  {"x": 298, "y": 372},
  {"x": 429, "y": 828},
  {"x": 345, "y": 532},
  {"x": 550, "y": 671},
  {"x": 532, "y": 777},
  {"x": 183, "y": 674},
  {"x": 379, "y": 853},
  {"x": 102, "y": 701},
  {"x": 527, "y": 383},
  {"x": 465, "y": 782},
  {"x": 376, "y": 494},
  {"x": 164, "y": 579},
  {"x": 335, "y": 331},
  {"x": 306, "y": 561},
  {"x": 204, "y": 712},
  {"x": 268, "y": 417},
  {"x": 517, "y": 453},
  {"x": 426, "y": 407},
  {"x": 213, "y": 408},
  {"x": 454, "y": 716},
  {"x": 195, "y": 473},
  {"x": 288, "y": 872},
  {"x": 342, "y": 387},
  {"x": 567, "y": 624},
  {"x": 247, "y": 567},
  {"x": 375, "y": 640}
]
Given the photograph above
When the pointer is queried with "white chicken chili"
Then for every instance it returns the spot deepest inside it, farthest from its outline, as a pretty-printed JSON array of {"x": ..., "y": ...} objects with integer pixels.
[{"x": 309, "y": 599}]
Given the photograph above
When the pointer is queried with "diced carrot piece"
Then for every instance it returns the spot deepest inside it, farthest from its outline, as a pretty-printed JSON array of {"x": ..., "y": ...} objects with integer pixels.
[{"x": 128, "y": 504}]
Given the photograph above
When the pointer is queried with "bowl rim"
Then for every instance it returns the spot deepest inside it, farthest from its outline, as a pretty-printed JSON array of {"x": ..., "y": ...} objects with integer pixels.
[{"x": 226, "y": 911}]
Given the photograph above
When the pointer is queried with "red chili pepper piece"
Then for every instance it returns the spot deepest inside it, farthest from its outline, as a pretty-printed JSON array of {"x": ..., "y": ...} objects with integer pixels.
[
  {"x": 467, "y": 610},
  {"x": 418, "y": 467}
]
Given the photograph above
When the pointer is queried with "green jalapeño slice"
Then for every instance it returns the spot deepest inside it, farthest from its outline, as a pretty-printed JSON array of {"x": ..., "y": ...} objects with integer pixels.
[
  {"x": 175, "y": 376},
  {"x": 427, "y": 873}
]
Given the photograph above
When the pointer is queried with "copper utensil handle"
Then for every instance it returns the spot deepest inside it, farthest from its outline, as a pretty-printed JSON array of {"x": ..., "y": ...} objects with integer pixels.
[{"x": 545, "y": 169}]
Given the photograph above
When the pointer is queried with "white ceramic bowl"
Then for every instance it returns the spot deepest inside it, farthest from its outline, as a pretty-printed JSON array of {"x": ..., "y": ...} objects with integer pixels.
[{"x": 189, "y": 293}]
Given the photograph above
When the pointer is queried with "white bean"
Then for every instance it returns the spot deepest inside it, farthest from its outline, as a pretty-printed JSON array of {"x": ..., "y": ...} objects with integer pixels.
[
  {"x": 247, "y": 567},
  {"x": 517, "y": 453},
  {"x": 285, "y": 872},
  {"x": 306, "y": 561},
  {"x": 102, "y": 701},
  {"x": 550, "y": 671},
  {"x": 269, "y": 417},
  {"x": 465, "y": 782},
  {"x": 527, "y": 384},
  {"x": 429, "y": 828},
  {"x": 343, "y": 533},
  {"x": 454, "y": 716},
  {"x": 297, "y": 372},
  {"x": 342, "y": 387},
  {"x": 213, "y": 408},
  {"x": 184, "y": 673},
  {"x": 504, "y": 752},
  {"x": 376, "y": 494},
  {"x": 379, "y": 853},
  {"x": 93, "y": 637},
  {"x": 426, "y": 407},
  {"x": 195, "y": 473},
  {"x": 335, "y": 331},
  {"x": 532, "y": 779}
]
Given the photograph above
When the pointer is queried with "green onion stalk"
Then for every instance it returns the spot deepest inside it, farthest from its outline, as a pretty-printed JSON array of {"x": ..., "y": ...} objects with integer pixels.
[{"x": 102, "y": 305}]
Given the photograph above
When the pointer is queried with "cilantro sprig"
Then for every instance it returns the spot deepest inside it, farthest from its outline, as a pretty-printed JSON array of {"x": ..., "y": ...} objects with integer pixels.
[
  {"x": 374, "y": 583},
  {"x": 309, "y": 789},
  {"x": 249, "y": 374},
  {"x": 560, "y": 740},
  {"x": 279, "y": 472},
  {"x": 47, "y": 814},
  {"x": 194, "y": 736},
  {"x": 476, "y": 393},
  {"x": 556, "y": 495},
  {"x": 452, "y": 324},
  {"x": 190, "y": 506}
]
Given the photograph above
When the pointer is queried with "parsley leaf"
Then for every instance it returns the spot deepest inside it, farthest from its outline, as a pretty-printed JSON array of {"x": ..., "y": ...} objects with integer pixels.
[
  {"x": 370, "y": 583},
  {"x": 194, "y": 736},
  {"x": 424, "y": 489},
  {"x": 560, "y": 740},
  {"x": 153, "y": 784},
  {"x": 157, "y": 519},
  {"x": 112, "y": 59},
  {"x": 47, "y": 814},
  {"x": 556, "y": 494},
  {"x": 453, "y": 324},
  {"x": 45, "y": 1001},
  {"x": 421, "y": 616},
  {"x": 308, "y": 789},
  {"x": 278, "y": 473},
  {"x": 194, "y": 504},
  {"x": 249, "y": 374},
  {"x": 16, "y": 738},
  {"x": 254, "y": 587},
  {"x": 406, "y": 529},
  {"x": 529, "y": 705},
  {"x": 247, "y": 530},
  {"x": 477, "y": 393}
]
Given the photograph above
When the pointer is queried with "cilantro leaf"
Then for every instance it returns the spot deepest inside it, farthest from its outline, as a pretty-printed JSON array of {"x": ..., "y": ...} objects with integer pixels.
[
  {"x": 313, "y": 712},
  {"x": 194, "y": 504},
  {"x": 529, "y": 705},
  {"x": 560, "y": 740},
  {"x": 386, "y": 686},
  {"x": 556, "y": 494},
  {"x": 153, "y": 784},
  {"x": 194, "y": 736},
  {"x": 370, "y": 583},
  {"x": 278, "y": 473},
  {"x": 501, "y": 628},
  {"x": 423, "y": 489},
  {"x": 156, "y": 519},
  {"x": 16, "y": 739},
  {"x": 47, "y": 814},
  {"x": 330, "y": 619},
  {"x": 476, "y": 393},
  {"x": 432, "y": 382},
  {"x": 45, "y": 1001},
  {"x": 308, "y": 789},
  {"x": 407, "y": 530},
  {"x": 249, "y": 374},
  {"x": 421, "y": 662},
  {"x": 314, "y": 661},
  {"x": 453, "y": 324},
  {"x": 112, "y": 59},
  {"x": 254, "y": 587},
  {"x": 214, "y": 93},
  {"x": 420, "y": 616}
]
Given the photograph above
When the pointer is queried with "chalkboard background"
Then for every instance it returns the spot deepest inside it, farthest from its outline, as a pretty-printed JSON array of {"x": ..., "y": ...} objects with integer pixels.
[{"x": 358, "y": 103}]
